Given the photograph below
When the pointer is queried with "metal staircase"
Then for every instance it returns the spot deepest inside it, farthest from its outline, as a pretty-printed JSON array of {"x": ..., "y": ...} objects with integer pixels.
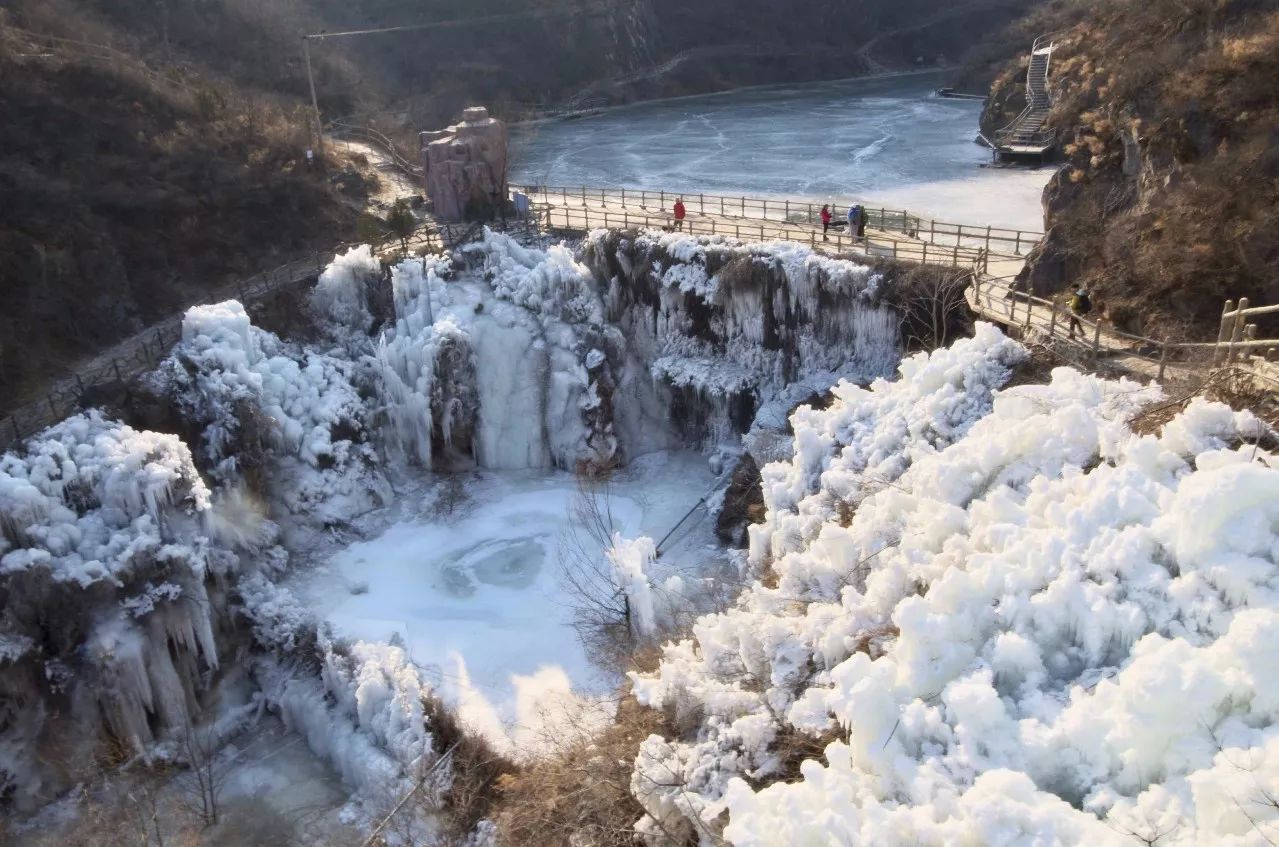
[{"x": 1027, "y": 134}]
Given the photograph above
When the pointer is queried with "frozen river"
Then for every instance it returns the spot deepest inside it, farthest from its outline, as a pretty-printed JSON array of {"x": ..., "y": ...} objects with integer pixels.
[{"x": 888, "y": 141}]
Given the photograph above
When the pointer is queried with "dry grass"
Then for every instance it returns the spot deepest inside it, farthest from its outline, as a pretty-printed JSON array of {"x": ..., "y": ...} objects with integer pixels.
[
  {"x": 580, "y": 796},
  {"x": 1167, "y": 202}
]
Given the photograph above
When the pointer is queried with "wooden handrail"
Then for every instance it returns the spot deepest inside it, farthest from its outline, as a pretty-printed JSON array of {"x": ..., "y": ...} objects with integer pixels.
[{"x": 786, "y": 209}]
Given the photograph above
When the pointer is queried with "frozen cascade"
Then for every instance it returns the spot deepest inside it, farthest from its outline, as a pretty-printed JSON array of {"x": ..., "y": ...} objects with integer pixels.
[
  {"x": 108, "y": 525},
  {"x": 502, "y": 355},
  {"x": 539, "y": 360}
]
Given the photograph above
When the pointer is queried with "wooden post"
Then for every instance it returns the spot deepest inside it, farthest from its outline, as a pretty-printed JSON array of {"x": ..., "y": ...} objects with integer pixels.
[
  {"x": 1017, "y": 248},
  {"x": 812, "y": 237},
  {"x": 737, "y": 231},
  {"x": 721, "y": 205},
  {"x": 924, "y": 260},
  {"x": 1096, "y": 341},
  {"x": 743, "y": 207},
  {"x": 623, "y": 196},
  {"x": 1236, "y": 333},
  {"x": 1222, "y": 331},
  {"x": 583, "y": 196},
  {"x": 1163, "y": 360},
  {"x": 987, "y": 238},
  {"x": 787, "y": 212},
  {"x": 663, "y": 199},
  {"x": 1052, "y": 325}
]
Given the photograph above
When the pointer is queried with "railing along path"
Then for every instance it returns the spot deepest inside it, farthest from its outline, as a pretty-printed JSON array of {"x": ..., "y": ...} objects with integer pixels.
[
  {"x": 998, "y": 241},
  {"x": 583, "y": 219},
  {"x": 148, "y": 348},
  {"x": 997, "y": 299}
]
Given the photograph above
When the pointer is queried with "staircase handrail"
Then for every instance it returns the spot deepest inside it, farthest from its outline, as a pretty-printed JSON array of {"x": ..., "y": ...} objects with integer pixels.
[{"x": 1036, "y": 46}]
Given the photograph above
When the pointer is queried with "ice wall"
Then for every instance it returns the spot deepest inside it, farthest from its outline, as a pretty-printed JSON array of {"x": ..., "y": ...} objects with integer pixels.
[
  {"x": 1002, "y": 616},
  {"x": 107, "y": 589},
  {"x": 262, "y": 404},
  {"x": 495, "y": 361},
  {"x": 727, "y": 327}
]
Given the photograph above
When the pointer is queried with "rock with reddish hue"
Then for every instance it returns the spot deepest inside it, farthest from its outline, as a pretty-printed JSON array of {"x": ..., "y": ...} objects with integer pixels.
[{"x": 465, "y": 167}]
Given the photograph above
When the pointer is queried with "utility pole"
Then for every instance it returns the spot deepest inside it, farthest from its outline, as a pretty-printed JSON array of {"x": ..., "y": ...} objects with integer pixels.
[{"x": 315, "y": 102}]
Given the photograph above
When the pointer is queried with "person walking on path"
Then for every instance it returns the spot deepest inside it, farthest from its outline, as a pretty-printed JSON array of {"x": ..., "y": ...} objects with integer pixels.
[
  {"x": 826, "y": 219},
  {"x": 680, "y": 212},
  {"x": 854, "y": 216},
  {"x": 1080, "y": 305}
]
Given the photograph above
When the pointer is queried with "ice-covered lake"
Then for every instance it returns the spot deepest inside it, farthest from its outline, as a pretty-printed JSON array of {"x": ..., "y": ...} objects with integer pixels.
[
  {"x": 469, "y": 577},
  {"x": 888, "y": 141}
]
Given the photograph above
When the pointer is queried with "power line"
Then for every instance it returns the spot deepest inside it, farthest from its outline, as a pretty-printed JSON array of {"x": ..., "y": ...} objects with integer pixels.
[{"x": 457, "y": 22}]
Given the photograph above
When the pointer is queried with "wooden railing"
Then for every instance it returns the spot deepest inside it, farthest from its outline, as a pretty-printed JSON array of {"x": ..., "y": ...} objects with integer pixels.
[
  {"x": 997, "y": 299},
  {"x": 582, "y": 219},
  {"x": 147, "y": 349},
  {"x": 381, "y": 141},
  {"x": 996, "y": 241}
]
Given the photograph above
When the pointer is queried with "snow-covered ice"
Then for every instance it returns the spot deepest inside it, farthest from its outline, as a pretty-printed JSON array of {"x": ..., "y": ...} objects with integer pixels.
[
  {"x": 887, "y": 142},
  {"x": 473, "y": 591},
  {"x": 1004, "y": 618}
]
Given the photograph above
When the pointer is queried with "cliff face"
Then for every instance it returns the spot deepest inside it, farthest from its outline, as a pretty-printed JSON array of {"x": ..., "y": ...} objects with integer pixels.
[{"x": 1167, "y": 115}]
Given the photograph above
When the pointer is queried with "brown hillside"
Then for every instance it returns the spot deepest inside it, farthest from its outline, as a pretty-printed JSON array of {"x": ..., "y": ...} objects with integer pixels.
[{"x": 1168, "y": 115}]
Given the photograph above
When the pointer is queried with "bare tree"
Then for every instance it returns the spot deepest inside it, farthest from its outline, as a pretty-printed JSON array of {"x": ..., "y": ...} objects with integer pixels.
[
  {"x": 601, "y": 611},
  {"x": 934, "y": 306},
  {"x": 202, "y": 785}
]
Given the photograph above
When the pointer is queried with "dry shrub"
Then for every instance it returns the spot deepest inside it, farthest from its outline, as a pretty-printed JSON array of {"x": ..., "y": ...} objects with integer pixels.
[
  {"x": 477, "y": 770},
  {"x": 580, "y": 796}
]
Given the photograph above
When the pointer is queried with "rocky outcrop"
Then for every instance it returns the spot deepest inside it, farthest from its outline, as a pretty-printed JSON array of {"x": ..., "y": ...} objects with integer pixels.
[
  {"x": 1165, "y": 205},
  {"x": 466, "y": 167}
]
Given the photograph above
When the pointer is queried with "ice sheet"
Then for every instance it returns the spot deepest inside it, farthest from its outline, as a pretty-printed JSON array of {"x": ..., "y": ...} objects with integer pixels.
[
  {"x": 476, "y": 596},
  {"x": 888, "y": 141}
]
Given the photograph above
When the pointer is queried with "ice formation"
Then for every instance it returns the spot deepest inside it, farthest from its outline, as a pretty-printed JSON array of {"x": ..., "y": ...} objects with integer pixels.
[
  {"x": 727, "y": 326},
  {"x": 1002, "y": 615},
  {"x": 132, "y": 565},
  {"x": 253, "y": 394},
  {"x": 108, "y": 583}
]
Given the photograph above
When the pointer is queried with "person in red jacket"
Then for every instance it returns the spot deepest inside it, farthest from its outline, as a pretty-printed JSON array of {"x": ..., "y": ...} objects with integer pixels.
[
  {"x": 826, "y": 219},
  {"x": 680, "y": 212}
]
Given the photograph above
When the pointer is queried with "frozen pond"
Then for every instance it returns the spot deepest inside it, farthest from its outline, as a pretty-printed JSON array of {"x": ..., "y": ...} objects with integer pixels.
[
  {"x": 467, "y": 576},
  {"x": 888, "y": 141}
]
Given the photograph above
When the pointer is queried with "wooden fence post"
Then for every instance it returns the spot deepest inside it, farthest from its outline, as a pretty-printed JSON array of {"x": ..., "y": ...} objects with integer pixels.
[
  {"x": 1236, "y": 333},
  {"x": 1163, "y": 360},
  {"x": 1222, "y": 331},
  {"x": 1096, "y": 341},
  {"x": 1052, "y": 325}
]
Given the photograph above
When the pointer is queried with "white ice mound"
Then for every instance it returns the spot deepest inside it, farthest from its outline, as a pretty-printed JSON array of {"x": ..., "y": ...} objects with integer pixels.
[
  {"x": 94, "y": 500},
  {"x": 107, "y": 622},
  {"x": 259, "y": 398},
  {"x": 1005, "y": 617}
]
